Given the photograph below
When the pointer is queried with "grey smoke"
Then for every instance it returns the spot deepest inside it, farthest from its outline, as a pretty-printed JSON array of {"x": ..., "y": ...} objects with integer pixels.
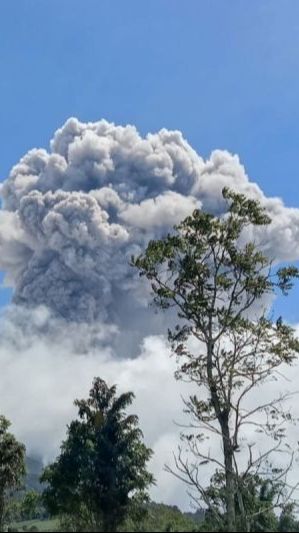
[{"x": 72, "y": 216}]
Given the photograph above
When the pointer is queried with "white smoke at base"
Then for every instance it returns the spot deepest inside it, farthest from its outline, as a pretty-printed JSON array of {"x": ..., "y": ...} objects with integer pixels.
[
  {"x": 41, "y": 377},
  {"x": 40, "y": 382},
  {"x": 71, "y": 219}
]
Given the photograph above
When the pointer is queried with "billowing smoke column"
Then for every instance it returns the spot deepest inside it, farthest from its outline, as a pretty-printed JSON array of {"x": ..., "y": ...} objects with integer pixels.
[{"x": 73, "y": 216}]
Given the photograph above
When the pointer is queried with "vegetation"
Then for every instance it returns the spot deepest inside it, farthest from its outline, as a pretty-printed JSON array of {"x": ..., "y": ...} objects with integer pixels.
[
  {"x": 31, "y": 506},
  {"x": 259, "y": 496},
  {"x": 100, "y": 477},
  {"x": 35, "y": 525},
  {"x": 12, "y": 467},
  {"x": 218, "y": 282},
  {"x": 161, "y": 517}
]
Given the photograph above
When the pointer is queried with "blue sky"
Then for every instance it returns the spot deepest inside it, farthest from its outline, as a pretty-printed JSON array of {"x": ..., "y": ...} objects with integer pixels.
[{"x": 225, "y": 73}]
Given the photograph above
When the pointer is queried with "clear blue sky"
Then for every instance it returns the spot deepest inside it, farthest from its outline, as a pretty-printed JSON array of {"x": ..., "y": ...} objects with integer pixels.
[{"x": 225, "y": 73}]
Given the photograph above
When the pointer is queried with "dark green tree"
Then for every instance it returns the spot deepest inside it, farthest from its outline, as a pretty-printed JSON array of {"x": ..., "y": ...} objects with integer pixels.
[
  {"x": 12, "y": 466},
  {"x": 30, "y": 505},
  {"x": 161, "y": 517},
  {"x": 219, "y": 281},
  {"x": 101, "y": 474},
  {"x": 288, "y": 521},
  {"x": 260, "y": 497}
]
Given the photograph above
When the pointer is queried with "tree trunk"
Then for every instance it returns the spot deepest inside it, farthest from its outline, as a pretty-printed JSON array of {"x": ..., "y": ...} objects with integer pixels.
[
  {"x": 2, "y": 510},
  {"x": 223, "y": 419},
  {"x": 230, "y": 486},
  {"x": 109, "y": 526},
  {"x": 245, "y": 522}
]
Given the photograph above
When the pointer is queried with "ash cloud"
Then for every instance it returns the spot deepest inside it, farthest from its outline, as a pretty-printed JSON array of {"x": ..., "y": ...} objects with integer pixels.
[{"x": 72, "y": 216}]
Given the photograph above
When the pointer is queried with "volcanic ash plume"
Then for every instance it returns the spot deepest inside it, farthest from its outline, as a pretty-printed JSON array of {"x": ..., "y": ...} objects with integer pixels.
[{"x": 72, "y": 217}]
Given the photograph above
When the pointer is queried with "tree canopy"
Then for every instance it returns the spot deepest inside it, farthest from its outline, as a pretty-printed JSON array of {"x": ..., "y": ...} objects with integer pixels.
[{"x": 100, "y": 476}]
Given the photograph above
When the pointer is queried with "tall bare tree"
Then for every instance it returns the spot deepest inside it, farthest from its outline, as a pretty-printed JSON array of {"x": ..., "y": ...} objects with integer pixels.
[{"x": 225, "y": 340}]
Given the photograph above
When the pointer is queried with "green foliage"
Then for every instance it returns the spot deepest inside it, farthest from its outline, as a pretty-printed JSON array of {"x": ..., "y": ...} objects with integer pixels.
[
  {"x": 160, "y": 517},
  {"x": 12, "y": 467},
  {"x": 35, "y": 525},
  {"x": 259, "y": 496},
  {"x": 100, "y": 476},
  {"x": 24, "y": 506},
  {"x": 206, "y": 273},
  {"x": 156, "y": 517},
  {"x": 31, "y": 505},
  {"x": 288, "y": 520},
  {"x": 258, "y": 499}
]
